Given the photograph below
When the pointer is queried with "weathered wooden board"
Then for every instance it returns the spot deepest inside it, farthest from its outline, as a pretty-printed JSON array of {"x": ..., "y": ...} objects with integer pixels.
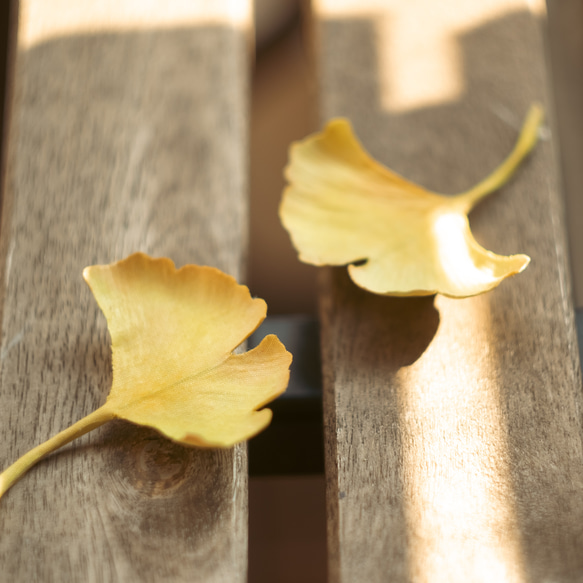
[
  {"x": 565, "y": 22},
  {"x": 453, "y": 427},
  {"x": 128, "y": 132}
]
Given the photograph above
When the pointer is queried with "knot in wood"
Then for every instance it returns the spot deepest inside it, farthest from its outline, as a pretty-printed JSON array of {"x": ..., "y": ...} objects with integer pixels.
[{"x": 161, "y": 466}]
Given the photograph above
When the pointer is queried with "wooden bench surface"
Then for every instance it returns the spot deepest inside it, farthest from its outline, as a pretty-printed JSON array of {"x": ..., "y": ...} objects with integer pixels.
[
  {"x": 565, "y": 21},
  {"x": 453, "y": 427},
  {"x": 128, "y": 132}
]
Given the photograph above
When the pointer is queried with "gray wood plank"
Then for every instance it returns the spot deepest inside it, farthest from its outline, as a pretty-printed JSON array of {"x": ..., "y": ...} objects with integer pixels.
[
  {"x": 128, "y": 132},
  {"x": 453, "y": 427},
  {"x": 565, "y": 20}
]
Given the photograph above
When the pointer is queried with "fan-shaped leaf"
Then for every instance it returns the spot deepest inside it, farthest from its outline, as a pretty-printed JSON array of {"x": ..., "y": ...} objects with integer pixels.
[
  {"x": 173, "y": 335},
  {"x": 343, "y": 207}
]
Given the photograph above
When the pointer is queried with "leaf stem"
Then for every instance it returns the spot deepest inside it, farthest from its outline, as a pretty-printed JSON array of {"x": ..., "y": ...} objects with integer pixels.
[
  {"x": 525, "y": 143},
  {"x": 13, "y": 473}
]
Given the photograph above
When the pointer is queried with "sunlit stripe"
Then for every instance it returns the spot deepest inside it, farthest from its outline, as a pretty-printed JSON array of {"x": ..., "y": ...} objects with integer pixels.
[
  {"x": 48, "y": 19},
  {"x": 420, "y": 63},
  {"x": 459, "y": 501}
]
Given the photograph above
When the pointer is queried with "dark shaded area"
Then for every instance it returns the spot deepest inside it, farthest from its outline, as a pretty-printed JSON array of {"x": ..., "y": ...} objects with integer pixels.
[
  {"x": 392, "y": 332},
  {"x": 293, "y": 443},
  {"x": 287, "y": 523},
  {"x": 283, "y": 110},
  {"x": 8, "y": 23},
  {"x": 6, "y": 10}
]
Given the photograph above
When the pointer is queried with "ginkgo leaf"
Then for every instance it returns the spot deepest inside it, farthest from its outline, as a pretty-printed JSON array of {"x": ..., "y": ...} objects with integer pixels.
[
  {"x": 342, "y": 207},
  {"x": 173, "y": 334}
]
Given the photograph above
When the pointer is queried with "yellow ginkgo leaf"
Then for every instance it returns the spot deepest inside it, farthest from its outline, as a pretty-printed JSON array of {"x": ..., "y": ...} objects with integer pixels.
[
  {"x": 173, "y": 335},
  {"x": 344, "y": 208}
]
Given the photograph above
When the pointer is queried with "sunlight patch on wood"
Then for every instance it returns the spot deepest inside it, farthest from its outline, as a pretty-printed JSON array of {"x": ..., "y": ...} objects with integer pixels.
[
  {"x": 420, "y": 64},
  {"x": 57, "y": 18},
  {"x": 459, "y": 500}
]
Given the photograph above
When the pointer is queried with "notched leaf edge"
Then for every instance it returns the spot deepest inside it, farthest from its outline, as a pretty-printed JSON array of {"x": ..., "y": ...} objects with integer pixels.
[{"x": 342, "y": 207}]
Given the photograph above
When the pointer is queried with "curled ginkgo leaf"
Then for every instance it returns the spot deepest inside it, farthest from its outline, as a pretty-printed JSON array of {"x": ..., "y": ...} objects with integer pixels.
[
  {"x": 342, "y": 207},
  {"x": 173, "y": 334}
]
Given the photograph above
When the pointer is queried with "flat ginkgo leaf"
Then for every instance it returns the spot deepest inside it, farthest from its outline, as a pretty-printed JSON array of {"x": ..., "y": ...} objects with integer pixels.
[
  {"x": 344, "y": 208},
  {"x": 173, "y": 335}
]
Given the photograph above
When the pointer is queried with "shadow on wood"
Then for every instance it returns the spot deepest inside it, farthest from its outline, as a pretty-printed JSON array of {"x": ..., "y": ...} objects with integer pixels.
[{"x": 462, "y": 460}]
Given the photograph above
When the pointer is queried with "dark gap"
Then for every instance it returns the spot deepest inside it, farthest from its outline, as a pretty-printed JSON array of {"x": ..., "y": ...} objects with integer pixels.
[
  {"x": 287, "y": 516},
  {"x": 8, "y": 22},
  {"x": 293, "y": 443},
  {"x": 283, "y": 110},
  {"x": 287, "y": 529}
]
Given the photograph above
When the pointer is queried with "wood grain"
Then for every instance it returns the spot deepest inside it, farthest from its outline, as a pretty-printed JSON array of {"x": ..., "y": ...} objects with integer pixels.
[
  {"x": 566, "y": 59},
  {"x": 128, "y": 132},
  {"x": 453, "y": 427}
]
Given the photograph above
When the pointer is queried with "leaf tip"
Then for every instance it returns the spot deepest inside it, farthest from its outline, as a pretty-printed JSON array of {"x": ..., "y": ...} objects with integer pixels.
[{"x": 526, "y": 261}]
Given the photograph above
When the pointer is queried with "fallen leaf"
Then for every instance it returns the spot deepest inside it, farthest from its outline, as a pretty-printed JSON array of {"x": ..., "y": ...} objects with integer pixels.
[
  {"x": 342, "y": 207},
  {"x": 173, "y": 335}
]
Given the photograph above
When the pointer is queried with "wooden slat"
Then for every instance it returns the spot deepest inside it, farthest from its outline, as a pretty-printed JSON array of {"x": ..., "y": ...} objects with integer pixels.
[
  {"x": 453, "y": 428},
  {"x": 128, "y": 132},
  {"x": 566, "y": 57}
]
